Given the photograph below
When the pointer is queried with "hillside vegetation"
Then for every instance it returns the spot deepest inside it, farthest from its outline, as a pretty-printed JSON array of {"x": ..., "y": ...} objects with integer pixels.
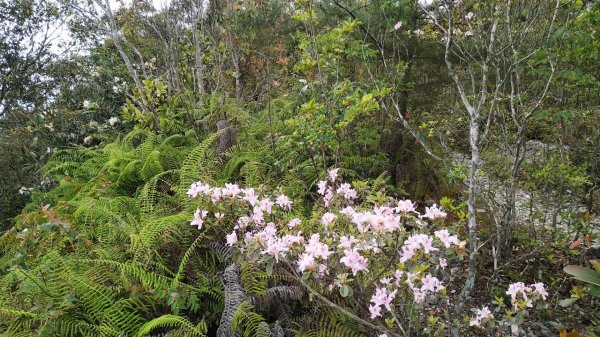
[{"x": 308, "y": 168}]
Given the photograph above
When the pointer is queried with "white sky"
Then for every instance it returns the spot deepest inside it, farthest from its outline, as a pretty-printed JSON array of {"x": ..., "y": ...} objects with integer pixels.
[
  {"x": 158, "y": 4},
  {"x": 61, "y": 33}
]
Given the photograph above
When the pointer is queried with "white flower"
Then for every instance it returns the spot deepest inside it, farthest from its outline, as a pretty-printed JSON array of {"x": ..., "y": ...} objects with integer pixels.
[
  {"x": 398, "y": 25},
  {"x": 88, "y": 139},
  {"x": 232, "y": 239},
  {"x": 113, "y": 120},
  {"x": 86, "y": 104}
]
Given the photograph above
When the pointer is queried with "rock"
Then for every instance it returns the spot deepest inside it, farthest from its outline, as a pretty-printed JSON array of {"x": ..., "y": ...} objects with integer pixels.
[
  {"x": 227, "y": 135},
  {"x": 543, "y": 329}
]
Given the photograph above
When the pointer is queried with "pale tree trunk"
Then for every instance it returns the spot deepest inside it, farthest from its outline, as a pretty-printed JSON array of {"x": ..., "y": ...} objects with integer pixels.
[
  {"x": 116, "y": 38},
  {"x": 197, "y": 52},
  {"x": 473, "y": 104}
]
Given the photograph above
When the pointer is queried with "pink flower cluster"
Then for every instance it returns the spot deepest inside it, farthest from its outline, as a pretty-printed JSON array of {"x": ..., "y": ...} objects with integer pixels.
[
  {"x": 345, "y": 238},
  {"x": 382, "y": 297},
  {"x": 199, "y": 218},
  {"x": 520, "y": 298},
  {"x": 413, "y": 244},
  {"x": 347, "y": 241},
  {"x": 480, "y": 315},
  {"x": 518, "y": 293}
]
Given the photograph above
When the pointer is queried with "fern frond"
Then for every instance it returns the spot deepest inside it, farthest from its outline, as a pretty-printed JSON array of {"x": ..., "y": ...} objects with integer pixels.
[
  {"x": 248, "y": 323},
  {"x": 197, "y": 164},
  {"x": 14, "y": 313},
  {"x": 173, "y": 321},
  {"x": 186, "y": 258},
  {"x": 147, "y": 278}
]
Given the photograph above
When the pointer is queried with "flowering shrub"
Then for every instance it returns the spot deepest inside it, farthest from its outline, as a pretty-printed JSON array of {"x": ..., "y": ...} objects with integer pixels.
[
  {"x": 387, "y": 255},
  {"x": 521, "y": 296}
]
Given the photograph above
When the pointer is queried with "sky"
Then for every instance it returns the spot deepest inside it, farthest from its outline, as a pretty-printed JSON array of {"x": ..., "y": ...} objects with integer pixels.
[
  {"x": 61, "y": 33},
  {"x": 158, "y": 4}
]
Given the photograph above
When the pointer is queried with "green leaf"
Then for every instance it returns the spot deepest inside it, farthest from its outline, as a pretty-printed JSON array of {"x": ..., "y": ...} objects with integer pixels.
[
  {"x": 567, "y": 301},
  {"x": 584, "y": 274},
  {"x": 594, "y": 291},
  {"x": 346, "y": 290},
  {"x": 270, "y": 265}
]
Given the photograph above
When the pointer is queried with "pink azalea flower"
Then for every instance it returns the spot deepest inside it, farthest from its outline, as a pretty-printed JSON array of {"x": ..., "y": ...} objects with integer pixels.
[
  {"x": 446, "y": 238},
  {"x": 267, "y": 233},
  {"x": 216, "y": 195},
  {"x": 480, "y": 315},
  {"x": 243, "y": 222},
  {"x": 327, "y": 218},
  {"x": 443, "y": 263},
  {"x": 517, "y": 288},
  {"x": 328, "y": 197},
  {"x": 405, "y": 206},
  {"x": 294, "y": 222},
  {"x": 407, "y": 254},
  {"x": 276, "y": 248},
  {"x": 232, "y": 239},
  {"x": 348, "y": 211},
  {"x": 352, "y": 259},
  {"x": 266, "y": 205},
  {"x": 383, "y": 297},
  {"x": 250, "y": 196},
  {"x": 258, "y": 216},
  {"x": 431, "y": 284},
  {"x": 540, "y": 289},
  {"x": 199, "y": 216},
  {"x": 347, "y": 242},
  {"x": 306, "y": 262},
  {"x": 317, "y": 248},
  {"x": 322, "y": 185},
  {"x": 418, "y": 295},
  {"x": 333, "y": 173},
  {"x": 284, "y": 202},
  {"x": 398, "y": 276},
  {"x": 292, "y": 239},
  {"x": 434, "y": 212},
  {"x": 427, "y": 245},
  {"x": 347, "y": 191},
  {"x": 231, "y": 190},
  {"x": 375, "y": 311},
  {"x": 197, "y": 189}
]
